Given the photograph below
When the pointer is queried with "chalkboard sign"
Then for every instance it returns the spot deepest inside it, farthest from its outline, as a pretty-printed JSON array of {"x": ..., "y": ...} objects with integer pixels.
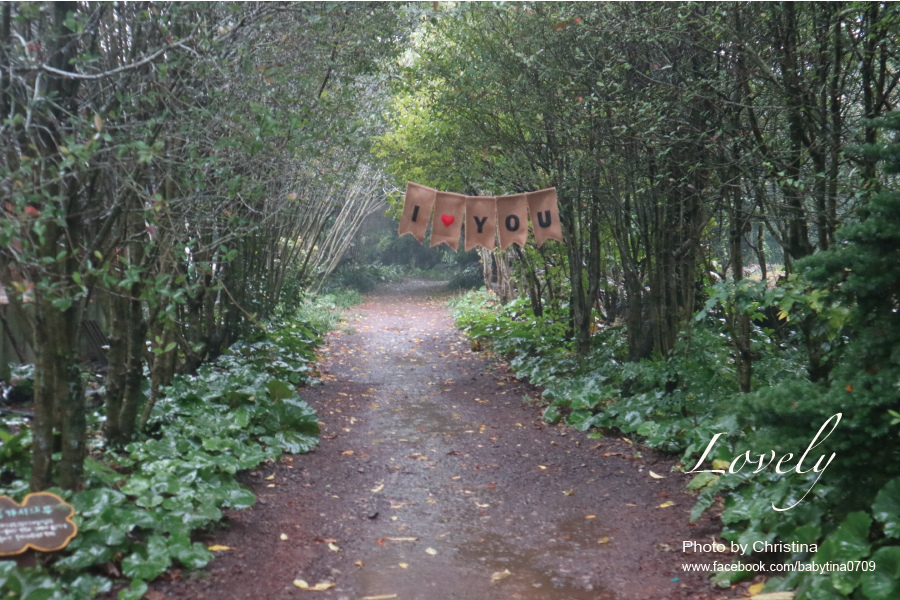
[{"x": 43, "y": 522}]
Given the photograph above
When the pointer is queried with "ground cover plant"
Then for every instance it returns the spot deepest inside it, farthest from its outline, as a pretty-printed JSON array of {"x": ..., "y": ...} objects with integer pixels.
[{"x": 142, "y": 503}]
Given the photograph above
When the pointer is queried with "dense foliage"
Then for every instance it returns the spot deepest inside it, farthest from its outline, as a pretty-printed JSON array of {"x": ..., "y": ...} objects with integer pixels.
[
  {"x": 731, "y": 251},
  {"x": 683, "y": 402},
  {"x": 140, "y": 504},
  {"x": 172, "y": 173}
]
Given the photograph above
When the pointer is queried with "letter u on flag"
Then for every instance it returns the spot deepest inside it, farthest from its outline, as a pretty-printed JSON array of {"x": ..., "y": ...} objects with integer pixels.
[
  {"x": 416, "y": 210},
  {"x": 512, "y": 220},
  {"x": 544, "y": 215},
  {"x": 449, "y": 212},
  {"x": 481, "y": 222}
]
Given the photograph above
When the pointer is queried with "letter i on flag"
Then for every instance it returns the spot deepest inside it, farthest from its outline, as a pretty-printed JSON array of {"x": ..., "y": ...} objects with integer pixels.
[
  {"x": 512, "y": 220},
  {"x": 481, "y": 222},
  {"x": 544, "y": 215},
  {"x": 417, "y": 210},
  {"x": 449, "y": 212}
]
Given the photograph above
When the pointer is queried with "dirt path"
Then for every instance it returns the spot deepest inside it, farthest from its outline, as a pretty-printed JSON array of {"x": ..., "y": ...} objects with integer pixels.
[{"x": 424, "y": 439}]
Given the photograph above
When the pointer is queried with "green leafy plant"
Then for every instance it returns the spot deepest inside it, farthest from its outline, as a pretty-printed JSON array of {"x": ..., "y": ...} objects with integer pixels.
[{"x": 141, "y": 506}]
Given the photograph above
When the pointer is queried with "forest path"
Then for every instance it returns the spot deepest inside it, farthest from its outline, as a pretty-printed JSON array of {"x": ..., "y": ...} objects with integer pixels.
[{"x": 433, "y": 476}]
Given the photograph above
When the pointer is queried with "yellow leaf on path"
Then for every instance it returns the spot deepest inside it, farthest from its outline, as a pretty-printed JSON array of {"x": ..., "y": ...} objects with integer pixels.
[
  {"x": 603, "y": 540},
  {"x": 569, "y": 492},
  {"x": 333, "y": 548},
  {"x": 481, "y": 505},
  {"x": 499, "y": 575},
  {"x": 319, "y": 587},
  {"x": 655, "y": 476},
  {"x": 382, "y": 597},
  {"x": 402, "y": 539},
  {"x": 667, "y": 504},
  {"x": 358, "y": 563},
  {"x": 270, "y": 477},
  {"x": 283, "y": 537},
  {"x": 431, "y": 551},
  {"x": 218, "y": 548},
  {"x": 774, "y": 596},
  {"x": 591, "y": 517},
  {"x": 542, "y": 467},
  {"x": 378, "y": 488},
  {"x": 755, "y": 588},
  {"x": 403, "y": 565},
  {"x": 627, "y": 441}
]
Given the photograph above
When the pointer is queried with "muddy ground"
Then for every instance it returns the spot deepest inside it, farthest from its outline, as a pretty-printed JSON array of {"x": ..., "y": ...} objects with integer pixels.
[{"x": 436, "y": 479}]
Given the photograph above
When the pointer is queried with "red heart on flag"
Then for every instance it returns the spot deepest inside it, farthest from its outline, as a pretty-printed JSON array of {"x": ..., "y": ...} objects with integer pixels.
[{"x": 447, "y": 219}]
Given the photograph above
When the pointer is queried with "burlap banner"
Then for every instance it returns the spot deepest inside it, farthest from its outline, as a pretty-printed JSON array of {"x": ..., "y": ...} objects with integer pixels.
[
  {"x": 544, "y": 215},
  {"x": 417, "y": 210},
  {"x": 512, "y": 215},
  {"x": 484, "y": 217},
  {"x": 449, "y": 212},
  {"x": 481, "y": 222}
]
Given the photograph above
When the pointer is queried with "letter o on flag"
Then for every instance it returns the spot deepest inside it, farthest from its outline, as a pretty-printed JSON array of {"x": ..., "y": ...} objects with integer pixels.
[{"x": 512, "y": 223}]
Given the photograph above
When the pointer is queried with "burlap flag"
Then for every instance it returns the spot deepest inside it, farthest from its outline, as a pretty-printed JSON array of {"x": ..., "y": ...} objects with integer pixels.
[
  {"x": 512, "y": 220},
  {"x": 544, "y": 215},
  {"x": 417, "y": 210},
  {"x": 481, "y": 222},
  {"x": 449, "y": 212}
]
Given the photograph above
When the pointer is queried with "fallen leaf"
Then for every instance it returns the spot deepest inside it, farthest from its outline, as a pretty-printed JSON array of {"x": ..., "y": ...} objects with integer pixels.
[
  {"x": 430, "y": 551},
  {"x": 319, "y": 587},
  {"x": 347, "y": 453},
  {"x": 218, "y": 548},
  {"x": 378, "y": 488},
  {"x": 402, "y": 539},
  {"x": 603, "y": 540},
  {"x": 667, "y": 504},
  {"x": 403, "y": 565},
  {"x": 270, "y": 477},
  {"x": 481, "y": 505},
  {"x": 283, "y": 537},
  {"x": 591, "y": 517},
  {"x": 333, "y": 548},
  {"x": 569, "y": 492},
  {"x": 382, "y": 597},
  {"x": 542, "y": 467},
  {"x": 358, "y": 563},
  {"x": 655, "y": 476},
  {"x": 755, "y": 588},
  {"x": 774, "y": 596},
  {"x": 500, "y": 575}
]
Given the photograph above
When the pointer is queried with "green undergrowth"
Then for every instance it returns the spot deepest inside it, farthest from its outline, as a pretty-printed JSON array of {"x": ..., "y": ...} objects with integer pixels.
[
  {"x": 142, "y": 505},
  {"x": 680, "y": 403}
]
